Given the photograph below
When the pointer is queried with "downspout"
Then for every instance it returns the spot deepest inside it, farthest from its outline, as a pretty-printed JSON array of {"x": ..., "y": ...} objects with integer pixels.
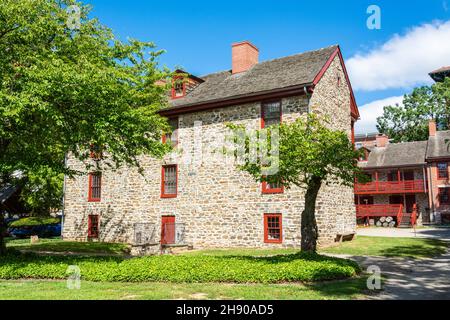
[
  {"x": 308, "y": 96},
  {"x": 432, "y": 213}
]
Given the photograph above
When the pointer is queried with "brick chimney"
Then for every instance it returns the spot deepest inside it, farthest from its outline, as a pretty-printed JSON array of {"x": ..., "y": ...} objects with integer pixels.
[
  {"x": 433, "y": 128},
  {"x": 382, "y": 140},
  {"x": 244, "y": 56}
]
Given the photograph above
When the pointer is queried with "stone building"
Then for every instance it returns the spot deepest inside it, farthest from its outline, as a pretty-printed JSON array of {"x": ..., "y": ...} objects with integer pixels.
[{"x": 196, "y": 197}]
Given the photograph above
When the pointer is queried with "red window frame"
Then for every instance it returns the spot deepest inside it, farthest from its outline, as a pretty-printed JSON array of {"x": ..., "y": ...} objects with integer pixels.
[
  {"x": 263, "y": 117},
  {"x": 444, "y": 192},
  {"x": 174, "y": 94},
  {"x": 271, "y": 225},
  {"x": 92, "y": 195},
  {"x": 266, "y": 188},
  {"x": 442, "y": 173},
  {"x": 96, "y": 152},
  {"x": 174, "y": 132},
  {"x": 163, "y": 175},
  {"x": 93, "y": 226}
]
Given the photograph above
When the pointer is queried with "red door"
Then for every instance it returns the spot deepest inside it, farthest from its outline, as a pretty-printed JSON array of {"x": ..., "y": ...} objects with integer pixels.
[{"x": 168, "y": 230}]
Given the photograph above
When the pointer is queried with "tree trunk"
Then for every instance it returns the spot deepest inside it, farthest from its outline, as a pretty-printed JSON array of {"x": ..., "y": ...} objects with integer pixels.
[
  {"x": 2, "y": 231},
  {"x": 309, "y": 225}
]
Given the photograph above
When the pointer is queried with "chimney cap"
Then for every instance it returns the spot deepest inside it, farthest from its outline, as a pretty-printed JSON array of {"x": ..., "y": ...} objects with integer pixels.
[{"x": 245, "y": 42}]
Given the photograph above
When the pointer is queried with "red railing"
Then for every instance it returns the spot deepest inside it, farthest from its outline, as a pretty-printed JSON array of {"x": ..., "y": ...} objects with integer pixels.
[
  {"x": 408, "y": 186},
  {"x": 379, "y": 210}
]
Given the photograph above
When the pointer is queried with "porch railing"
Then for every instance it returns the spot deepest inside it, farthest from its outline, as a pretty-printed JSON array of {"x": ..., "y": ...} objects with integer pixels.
[
  {"x": 407, "y": 186},
  {"x": 380, "y": 210}
]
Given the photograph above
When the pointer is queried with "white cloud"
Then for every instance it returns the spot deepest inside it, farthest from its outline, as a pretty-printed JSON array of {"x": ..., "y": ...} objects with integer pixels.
[
  {"x": 371, "y": 111},
  {"x": 404, "y": 61}
]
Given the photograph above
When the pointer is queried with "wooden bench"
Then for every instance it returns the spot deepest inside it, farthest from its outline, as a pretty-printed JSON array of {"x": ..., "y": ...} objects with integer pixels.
[{"x": 346, "y": 236}]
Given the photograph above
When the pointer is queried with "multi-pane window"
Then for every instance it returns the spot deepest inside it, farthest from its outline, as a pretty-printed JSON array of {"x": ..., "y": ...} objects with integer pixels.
[
  {"x": 273, "y": 228},
  {"x": 271, "y": 114},
  {"x": 93, "y": 227},
  {"x": 272, "y": 187},
  {"x": 95, "y": 187},
  {"x": 178, "y": 88},
  {"x": 444, "y": 195},
  {"x": 169, "y": 181},
  {"x": 96, "y": 152},
  {"x": 442, "y": 170},
  {"x": 173, "y": 136}
]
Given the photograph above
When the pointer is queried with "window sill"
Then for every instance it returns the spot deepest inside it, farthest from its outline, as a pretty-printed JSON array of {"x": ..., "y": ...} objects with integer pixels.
[
  {"x": 168, "y": 196},
  {"x": 94, "y": 200}
]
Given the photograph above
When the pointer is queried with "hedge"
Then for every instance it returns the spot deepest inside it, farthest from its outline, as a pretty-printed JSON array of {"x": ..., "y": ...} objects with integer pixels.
[
  {"x": 235, "y": 269},
  {"x": 33, "y": 221}
]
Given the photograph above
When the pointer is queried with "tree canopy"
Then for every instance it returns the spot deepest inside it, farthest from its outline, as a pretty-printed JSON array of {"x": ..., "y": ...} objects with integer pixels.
[
  {"x": 309, "y": 155},
  {"x": 69, "y": 84},
  {"x": 410, "y": 121}
]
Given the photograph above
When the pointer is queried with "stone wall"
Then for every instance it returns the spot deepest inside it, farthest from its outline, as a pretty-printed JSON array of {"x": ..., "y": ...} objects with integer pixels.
[{"x": 218, "y": 205}]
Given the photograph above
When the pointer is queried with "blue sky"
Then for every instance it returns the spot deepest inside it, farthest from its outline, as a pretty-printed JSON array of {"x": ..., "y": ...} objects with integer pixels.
[{"x": 384, "y": 64}]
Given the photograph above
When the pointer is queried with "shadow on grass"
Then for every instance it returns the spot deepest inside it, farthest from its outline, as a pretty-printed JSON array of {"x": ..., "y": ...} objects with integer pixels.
[
  {"x": 342, "y": 289},
  {"x": 430, "y": 248}
]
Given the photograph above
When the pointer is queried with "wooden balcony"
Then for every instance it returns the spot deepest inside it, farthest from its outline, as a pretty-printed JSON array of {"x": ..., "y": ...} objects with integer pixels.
[
  {"x": 378, "y": 210},
  {"x": 390, "y": 187}
]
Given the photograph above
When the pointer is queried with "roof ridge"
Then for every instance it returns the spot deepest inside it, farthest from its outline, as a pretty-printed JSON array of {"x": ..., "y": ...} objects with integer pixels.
[{"x": 276, "y": 59}]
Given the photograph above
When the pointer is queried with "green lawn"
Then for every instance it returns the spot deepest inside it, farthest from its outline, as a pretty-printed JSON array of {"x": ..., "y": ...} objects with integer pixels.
[
  {"x": 57, "y": 290},
  {"x": 59, "y": 246},
  {"x": 391, "y": 247}
]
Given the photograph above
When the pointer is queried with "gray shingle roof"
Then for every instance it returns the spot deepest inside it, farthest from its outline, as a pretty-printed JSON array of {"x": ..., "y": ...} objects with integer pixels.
[
  {"x": 300, "y": 69},
  {"x": 398, "y": 154},
  {"x": 6, "y": 192},
  {"x": 439, "y": 146}
]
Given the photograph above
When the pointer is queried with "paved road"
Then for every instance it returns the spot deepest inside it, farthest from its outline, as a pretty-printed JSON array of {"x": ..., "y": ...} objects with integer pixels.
[
  {"x": 434, "y": 233},
  {"x": 409, "y": 279}
]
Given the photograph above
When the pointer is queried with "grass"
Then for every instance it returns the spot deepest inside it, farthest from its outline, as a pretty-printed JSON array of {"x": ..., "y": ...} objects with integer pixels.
[
  {"x": 34, "y": 221},
  {"x": 59, "y": 246},
  {"x": 57, "y": 290},
  {"x": 391, "y": 247}
]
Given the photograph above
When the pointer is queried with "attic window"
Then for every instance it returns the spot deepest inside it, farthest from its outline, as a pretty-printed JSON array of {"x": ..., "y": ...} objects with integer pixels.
[{"x": 178, "y": 88}]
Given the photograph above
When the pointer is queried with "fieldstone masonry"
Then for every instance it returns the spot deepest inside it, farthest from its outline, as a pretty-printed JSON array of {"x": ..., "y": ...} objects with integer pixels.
[{"x": 219, "y": 205}]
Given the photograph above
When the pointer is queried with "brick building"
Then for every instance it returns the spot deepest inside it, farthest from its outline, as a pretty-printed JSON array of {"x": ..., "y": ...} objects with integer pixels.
[
  {"x": 207, "y": 202},
  {"x": 405, "y": 175}
]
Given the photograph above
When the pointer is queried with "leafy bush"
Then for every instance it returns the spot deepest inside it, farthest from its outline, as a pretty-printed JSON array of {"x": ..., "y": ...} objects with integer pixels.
[
  {"x": 185, "y": 268},
  {"x": 33, "y": 221}
]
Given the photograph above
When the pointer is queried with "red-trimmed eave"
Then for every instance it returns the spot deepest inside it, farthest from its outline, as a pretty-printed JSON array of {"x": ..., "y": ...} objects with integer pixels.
[{"x": 353, "y": 106}]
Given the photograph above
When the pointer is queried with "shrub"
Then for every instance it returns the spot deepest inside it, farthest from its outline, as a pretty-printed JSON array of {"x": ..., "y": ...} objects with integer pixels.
[
  {"x": 34, "y": 221},
  {"x": 185, "y": 268}
]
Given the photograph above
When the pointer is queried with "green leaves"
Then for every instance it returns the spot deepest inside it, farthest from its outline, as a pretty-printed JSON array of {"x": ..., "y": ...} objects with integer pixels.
[
  {"x": 63, "y": 89},
  {"x": 182, "y": 268},
  {"x": 307, "y": 148},
  {"x": 410, "y": 121}
]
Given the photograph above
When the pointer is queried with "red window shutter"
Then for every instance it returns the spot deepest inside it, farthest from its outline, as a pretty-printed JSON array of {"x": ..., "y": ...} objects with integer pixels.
[{"x": 273, "y": 228}]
